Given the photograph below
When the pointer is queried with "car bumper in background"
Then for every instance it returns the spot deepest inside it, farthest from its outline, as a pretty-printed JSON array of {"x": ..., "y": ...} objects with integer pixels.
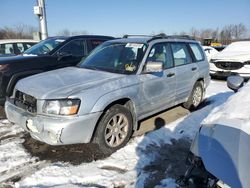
[
  {"x": 217, "y": 72},
  {"x": 54, "y": 130}
]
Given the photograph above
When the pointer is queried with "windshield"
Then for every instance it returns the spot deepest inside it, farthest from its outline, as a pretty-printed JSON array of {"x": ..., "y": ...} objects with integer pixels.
[
  {"x": 44, "y": 47},
  {"x": 123, "y": 58}
]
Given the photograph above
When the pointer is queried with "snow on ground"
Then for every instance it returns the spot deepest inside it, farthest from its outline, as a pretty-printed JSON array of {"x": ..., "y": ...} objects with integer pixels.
[
  {"x": 136, "y": 165},
  {"x": 11, "y": 152}
]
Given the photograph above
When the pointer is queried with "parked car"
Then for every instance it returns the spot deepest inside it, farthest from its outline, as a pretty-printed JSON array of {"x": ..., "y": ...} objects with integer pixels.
[
  {"x": 52, "y": 53},
  {"x": 220, "y": 151},
  {"x": 234, "y": 59},
  {"x": 10, "y": 47},
  {"x": 120, "y": 82},
  {"x": 209, "y": 51}
]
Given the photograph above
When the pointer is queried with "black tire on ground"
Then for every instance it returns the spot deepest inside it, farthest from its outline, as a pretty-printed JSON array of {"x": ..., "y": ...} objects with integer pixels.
[
  {"x": 114, "y": 129},
  {"x": 196, "y": 96}
]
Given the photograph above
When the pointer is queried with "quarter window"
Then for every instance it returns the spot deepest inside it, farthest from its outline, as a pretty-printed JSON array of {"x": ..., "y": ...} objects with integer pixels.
[
  {"x": 180, "y": 54},
  {"x": 198, "y": 54}
]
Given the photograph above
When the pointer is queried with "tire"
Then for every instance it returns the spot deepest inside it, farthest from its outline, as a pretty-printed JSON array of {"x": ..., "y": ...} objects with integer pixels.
[
  {"x": 114, "y": 129},
  {"x": 196, "y": 96}
]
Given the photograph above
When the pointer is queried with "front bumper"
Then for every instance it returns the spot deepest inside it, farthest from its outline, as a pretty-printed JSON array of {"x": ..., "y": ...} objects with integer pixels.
[
  {"x": 217, "y": 72},
  {"x": 54, "y": 130}
]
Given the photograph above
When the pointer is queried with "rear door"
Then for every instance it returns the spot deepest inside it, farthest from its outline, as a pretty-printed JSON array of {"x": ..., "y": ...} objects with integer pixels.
[{"x": 186, "y": 70}]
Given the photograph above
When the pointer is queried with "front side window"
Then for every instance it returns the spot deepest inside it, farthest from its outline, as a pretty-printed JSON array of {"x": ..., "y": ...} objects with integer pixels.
[
  {"x": 181, "y": 54},
  {"x": 75, "y": 48},
  {"x": 161, "y": 52},
  {"x": 123, "y": 58},
  {"x": 45, "y": 46},
  {"x": 197, "y": 51}
]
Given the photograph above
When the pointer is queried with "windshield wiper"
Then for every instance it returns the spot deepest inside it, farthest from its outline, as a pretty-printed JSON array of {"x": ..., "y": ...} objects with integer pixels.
[{"x": 90, "y": 67}]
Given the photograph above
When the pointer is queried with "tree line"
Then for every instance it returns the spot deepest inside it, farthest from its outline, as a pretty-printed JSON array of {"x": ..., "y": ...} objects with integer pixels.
[
  {"x": 225, "y": 35},
  {"x": 17, "y": 32}
]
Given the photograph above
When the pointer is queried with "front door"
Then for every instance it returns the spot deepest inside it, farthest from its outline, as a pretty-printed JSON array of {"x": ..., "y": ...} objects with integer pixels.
[{"x": 158, "y": 89}]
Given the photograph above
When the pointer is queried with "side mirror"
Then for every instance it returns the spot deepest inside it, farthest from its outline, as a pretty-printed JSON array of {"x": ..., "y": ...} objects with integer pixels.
[
  {"x": 62, "y": 55},
  {"x": 154, "y": 66},
  {"x": 235, "y": 82}
]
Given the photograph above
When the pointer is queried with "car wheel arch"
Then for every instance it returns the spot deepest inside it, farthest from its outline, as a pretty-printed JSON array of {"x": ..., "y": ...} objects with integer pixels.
[
  {"x": 18, "y": 76},
  {"x": 126, "y": 102},
  {"x": 188, "y": 104}
]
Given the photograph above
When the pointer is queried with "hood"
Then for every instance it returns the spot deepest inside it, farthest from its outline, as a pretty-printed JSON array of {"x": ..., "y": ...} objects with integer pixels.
[
  {"x": 64, "y": 82},
  {"x": 238, "y": 56},
  {"x": 224, "y": 138},
  {"x": 19, "y": 58}
]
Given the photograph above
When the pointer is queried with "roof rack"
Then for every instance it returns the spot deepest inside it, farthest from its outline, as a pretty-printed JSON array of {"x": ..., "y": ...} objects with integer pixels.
[
  {"x": 127, "y": 36},
  {"x": 164, "y": 36}
]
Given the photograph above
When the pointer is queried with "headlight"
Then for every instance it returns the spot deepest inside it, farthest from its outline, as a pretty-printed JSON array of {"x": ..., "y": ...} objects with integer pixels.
[{"x": 61, "y": 107}]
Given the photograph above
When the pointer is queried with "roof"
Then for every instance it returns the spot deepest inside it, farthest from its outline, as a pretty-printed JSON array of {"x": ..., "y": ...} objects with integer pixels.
[
  {"x": 157, "y": 38},
  {"x": 4, "y": 41},
  {"x": 83, "y": 36}
]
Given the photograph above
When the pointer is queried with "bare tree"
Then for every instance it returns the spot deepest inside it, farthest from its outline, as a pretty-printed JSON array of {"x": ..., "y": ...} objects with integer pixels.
[
  {"x": 195, "y": 33},
  {"x": 239, "y": 30},
  {"x": 67, "y": 32},
  {"x": 17, "y": 32}
]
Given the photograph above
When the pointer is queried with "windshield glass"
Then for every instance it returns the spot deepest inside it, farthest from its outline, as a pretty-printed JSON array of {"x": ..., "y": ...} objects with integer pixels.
[
  {"x": 123, "y": 58},
  {"x": 45, "y": 46}
]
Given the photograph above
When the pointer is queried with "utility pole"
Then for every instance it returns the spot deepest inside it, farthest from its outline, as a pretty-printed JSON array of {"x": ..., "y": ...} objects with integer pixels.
[{"x": 39, "y": 10}]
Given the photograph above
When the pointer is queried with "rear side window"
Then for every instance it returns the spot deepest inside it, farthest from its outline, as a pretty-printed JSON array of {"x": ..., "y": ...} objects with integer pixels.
[
  {"x": 197, "y": 51},
  {"x": 181, "y": 54},
  {"x": 6, "y": 49},
  {"x": 20, "y": 48},
  {"x": 95, "y": 42}
]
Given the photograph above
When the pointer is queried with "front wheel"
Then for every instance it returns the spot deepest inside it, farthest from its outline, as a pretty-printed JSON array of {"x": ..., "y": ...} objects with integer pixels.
[
  {"x": 195, "y": 97},
  {"x": 114, "y": 129}
]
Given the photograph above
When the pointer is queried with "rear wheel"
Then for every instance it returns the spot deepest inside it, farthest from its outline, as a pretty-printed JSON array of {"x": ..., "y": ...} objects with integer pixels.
[
  {"x": 114, "y": 129},
  {"x": 195, "y": 97}
]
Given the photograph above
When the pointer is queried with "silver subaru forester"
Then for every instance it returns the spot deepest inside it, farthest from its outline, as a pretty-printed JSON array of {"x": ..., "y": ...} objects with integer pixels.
[{"x": 120, "y": 82}]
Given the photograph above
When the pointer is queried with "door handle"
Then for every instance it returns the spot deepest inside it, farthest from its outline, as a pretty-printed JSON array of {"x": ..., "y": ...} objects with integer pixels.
[
  {"x": 194, "y": 68},
  {"x": 170, "y": 74}
]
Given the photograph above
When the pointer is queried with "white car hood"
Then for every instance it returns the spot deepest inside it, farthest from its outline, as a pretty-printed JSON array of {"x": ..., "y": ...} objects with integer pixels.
[
  {"x": 232, "y": 56},
  {"x": 62, "y": 83}
]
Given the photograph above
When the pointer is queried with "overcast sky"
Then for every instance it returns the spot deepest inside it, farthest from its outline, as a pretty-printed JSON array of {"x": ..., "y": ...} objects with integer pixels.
[{"x": 118, "y": 17}]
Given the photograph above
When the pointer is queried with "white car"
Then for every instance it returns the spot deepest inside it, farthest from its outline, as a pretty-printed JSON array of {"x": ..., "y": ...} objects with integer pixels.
[
  {"x": 219, "y": 155},
  {"x": 234, "y": 59},
  {"x": 15, "y": 46},
  {"x": 209, "y": 51}
]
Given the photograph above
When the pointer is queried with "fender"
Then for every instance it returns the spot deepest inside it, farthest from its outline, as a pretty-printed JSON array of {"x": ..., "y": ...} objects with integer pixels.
[
  {"x": 111, "y": 98},
  {"x": 16, "y": 77}
]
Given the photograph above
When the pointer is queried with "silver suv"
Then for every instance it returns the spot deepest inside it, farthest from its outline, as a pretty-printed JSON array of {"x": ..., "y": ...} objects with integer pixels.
[{"x": 102, "y": 99}]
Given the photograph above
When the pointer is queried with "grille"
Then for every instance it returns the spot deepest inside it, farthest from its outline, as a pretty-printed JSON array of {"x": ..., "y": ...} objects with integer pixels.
[
  {"x": 25, "y": 101},
  {"x": 229, "y": 65}
]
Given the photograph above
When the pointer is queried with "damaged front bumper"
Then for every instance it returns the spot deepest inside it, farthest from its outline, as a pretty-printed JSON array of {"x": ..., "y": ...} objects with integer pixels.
[{"x": 54, "y": 130}]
